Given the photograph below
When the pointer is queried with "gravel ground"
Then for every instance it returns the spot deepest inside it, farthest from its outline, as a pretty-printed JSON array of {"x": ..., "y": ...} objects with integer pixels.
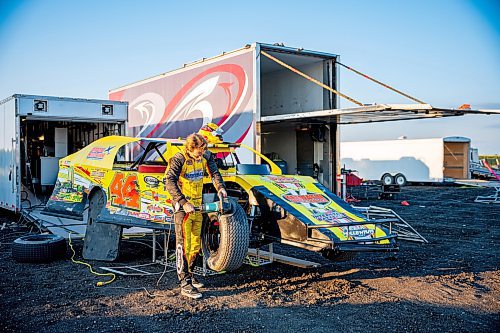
[{"x": 451, "y": 284}]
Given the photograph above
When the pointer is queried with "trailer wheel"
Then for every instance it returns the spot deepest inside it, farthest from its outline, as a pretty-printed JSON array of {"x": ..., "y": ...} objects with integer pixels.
[
  {"x": 400, "y": 179},
  {"x": 38, "y": 248},
  {"x": 387, "y": 179},
  {"x": 225, "y": 239},
  {"x": 338, "y": 256}
]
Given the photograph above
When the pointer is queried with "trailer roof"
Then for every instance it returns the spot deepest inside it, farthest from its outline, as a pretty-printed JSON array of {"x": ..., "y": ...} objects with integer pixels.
[
  {"x": 290, "y": 54},
  {"x": 70, "y": 99},
  {"x": 375, "y": 113}
]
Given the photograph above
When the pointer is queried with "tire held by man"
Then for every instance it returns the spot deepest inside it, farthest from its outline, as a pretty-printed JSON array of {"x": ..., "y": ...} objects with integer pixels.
[{"x": 225, "y": 239}]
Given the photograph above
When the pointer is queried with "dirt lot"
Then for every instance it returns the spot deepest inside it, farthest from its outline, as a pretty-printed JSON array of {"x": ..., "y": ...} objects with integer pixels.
[{"x": 451, "y": 284}]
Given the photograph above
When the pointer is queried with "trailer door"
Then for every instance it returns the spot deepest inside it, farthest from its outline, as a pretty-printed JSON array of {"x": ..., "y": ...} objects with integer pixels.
[{"x": 9, "y": 176}]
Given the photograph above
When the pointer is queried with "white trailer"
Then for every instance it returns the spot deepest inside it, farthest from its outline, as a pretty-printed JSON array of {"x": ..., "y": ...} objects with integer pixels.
[
  {"x": 401, "y": 161},
  {"x": 38, "y": 130}
]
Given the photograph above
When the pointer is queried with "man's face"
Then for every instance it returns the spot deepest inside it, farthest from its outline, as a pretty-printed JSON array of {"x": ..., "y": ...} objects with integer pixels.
[{"x": 196, "y": 153}]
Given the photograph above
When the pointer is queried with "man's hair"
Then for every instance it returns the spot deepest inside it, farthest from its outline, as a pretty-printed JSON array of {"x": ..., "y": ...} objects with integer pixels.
[{"x": 194, "y": 141}]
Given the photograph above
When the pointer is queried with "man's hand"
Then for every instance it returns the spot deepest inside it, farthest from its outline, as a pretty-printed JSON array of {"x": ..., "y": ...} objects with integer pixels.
[
  {"x": 188, "y": 207},
  {"x": 222, "y": 193}
]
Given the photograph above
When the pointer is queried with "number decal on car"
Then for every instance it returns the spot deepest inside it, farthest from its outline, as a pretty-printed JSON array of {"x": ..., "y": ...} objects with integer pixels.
[{"x": 123, "y": 191}]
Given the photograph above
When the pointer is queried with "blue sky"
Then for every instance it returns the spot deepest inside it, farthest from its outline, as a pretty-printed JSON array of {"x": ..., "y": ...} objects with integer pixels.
[{"x": 443, "y": 52}]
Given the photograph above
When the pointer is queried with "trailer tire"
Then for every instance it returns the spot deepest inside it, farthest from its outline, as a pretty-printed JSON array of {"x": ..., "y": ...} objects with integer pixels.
[
  {"x": 38, "y": 248},
  {"x": 387, "y": 179},
  {"x": 225, "y": 239},
  {"x": 400, "y": 179}
]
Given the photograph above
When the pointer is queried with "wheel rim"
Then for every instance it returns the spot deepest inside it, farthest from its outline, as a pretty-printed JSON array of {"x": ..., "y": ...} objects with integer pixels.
[{"x": 212, "y": 235}]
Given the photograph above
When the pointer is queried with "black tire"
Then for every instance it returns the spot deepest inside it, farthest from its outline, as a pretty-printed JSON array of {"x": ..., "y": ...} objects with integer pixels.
[
  {"x": 38, "y": 248},
  {"x": 225, "y": 239},
  {"x": 339, "y": 256},
  {"x": 400, "y": 179},
  {"x": 387, "y": 179}
]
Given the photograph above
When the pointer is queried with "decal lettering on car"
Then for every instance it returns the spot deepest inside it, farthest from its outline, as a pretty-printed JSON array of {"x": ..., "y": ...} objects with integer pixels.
[{"x": 123, "y": 191}]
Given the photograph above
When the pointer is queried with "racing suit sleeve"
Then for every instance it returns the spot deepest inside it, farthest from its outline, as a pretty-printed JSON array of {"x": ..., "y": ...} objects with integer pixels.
[
  {"x": 172, "y": 178},
  {"x": 214, "y": 171}
]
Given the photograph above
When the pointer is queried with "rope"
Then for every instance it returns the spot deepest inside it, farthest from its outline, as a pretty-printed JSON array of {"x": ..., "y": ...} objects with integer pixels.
[
  {"x": 381, "y": 83},
  {"x": 311, "y": 78}
]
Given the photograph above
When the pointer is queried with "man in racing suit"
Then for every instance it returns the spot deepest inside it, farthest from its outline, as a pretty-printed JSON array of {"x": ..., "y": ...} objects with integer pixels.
[{"x": 184, "y": 182}]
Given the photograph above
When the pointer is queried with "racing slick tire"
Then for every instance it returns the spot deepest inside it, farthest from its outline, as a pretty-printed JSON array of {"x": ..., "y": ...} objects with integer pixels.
[
  {"x": 225, "y": 239},
  {"x": 38, "y": 248}
]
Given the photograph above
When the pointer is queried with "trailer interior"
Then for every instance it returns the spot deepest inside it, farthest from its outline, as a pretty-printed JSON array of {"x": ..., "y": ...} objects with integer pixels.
[
  {"x": 44, "y": 142},
  {"x": 300, "y": 146}
]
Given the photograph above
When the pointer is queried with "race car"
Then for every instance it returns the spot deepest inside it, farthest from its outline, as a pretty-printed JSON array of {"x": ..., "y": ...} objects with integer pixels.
[{"x": 267, "y": 206}]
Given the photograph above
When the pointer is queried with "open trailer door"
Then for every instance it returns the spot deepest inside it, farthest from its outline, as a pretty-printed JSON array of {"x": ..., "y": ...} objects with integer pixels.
[{"x": 9, "y": 156}]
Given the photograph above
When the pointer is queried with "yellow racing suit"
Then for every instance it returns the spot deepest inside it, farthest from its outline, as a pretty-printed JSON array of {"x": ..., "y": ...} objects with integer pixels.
[{"x": 184, "y": 182}]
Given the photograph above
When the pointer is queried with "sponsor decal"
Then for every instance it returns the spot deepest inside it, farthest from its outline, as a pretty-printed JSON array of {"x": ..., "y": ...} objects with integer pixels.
[
  {"x": 179, "y": 253},
  {"x": 306, "y": 198},
  {"x": 152, "y": 181},
  {"x": 97, "y": 174},
  {"x": 98, "y": 153},
  {"x": 278, "y": 179},
  {"x": 286, "y": 186},
  {"x": 330, "y": 216},
  {"x": 194, "y": 175},
  {"x": 357, "y": 231},
  {"x": 154, "y": 209}
]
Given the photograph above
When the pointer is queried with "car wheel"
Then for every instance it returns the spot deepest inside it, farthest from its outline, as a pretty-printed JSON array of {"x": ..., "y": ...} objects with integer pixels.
[
  {"x": 387, "y": 179},
  {"x": 38, "y": 248},
  {"x": 225, "y": 239},
  {"x": 400, "y": 179}
]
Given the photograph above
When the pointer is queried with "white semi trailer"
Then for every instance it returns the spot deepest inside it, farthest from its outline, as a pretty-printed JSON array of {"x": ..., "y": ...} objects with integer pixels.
[{"x": 401, "y": 161}]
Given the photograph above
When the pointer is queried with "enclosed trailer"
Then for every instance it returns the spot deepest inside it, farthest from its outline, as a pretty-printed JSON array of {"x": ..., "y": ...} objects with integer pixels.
[
  {"x": 237, "y": 90},
  {"x": 399, "y": 161},
  {"x": 38, "y": 131},
  {"x": 282, "y": 101}
]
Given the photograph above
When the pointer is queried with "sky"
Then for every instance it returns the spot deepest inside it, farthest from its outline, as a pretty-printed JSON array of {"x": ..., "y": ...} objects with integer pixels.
[{"x": 444, "y": 52}]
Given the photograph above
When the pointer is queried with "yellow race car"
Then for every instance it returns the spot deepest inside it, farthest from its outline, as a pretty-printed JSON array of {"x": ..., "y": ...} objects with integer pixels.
[{"x": 267, "y": 206}]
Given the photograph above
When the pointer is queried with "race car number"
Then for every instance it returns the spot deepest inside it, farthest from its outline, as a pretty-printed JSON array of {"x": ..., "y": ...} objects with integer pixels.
[{"x": 123, "y": 191}]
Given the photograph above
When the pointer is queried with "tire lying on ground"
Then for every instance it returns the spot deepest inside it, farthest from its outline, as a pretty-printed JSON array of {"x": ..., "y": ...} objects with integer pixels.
[
  {"x": 225, "y": 239},
  {"x": 38, "y": 248}
]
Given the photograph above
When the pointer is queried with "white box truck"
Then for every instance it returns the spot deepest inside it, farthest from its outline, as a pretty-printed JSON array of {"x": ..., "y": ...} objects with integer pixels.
[
  {"x": 38, "y": 130},
  {"x": 401, "y": 161}
]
